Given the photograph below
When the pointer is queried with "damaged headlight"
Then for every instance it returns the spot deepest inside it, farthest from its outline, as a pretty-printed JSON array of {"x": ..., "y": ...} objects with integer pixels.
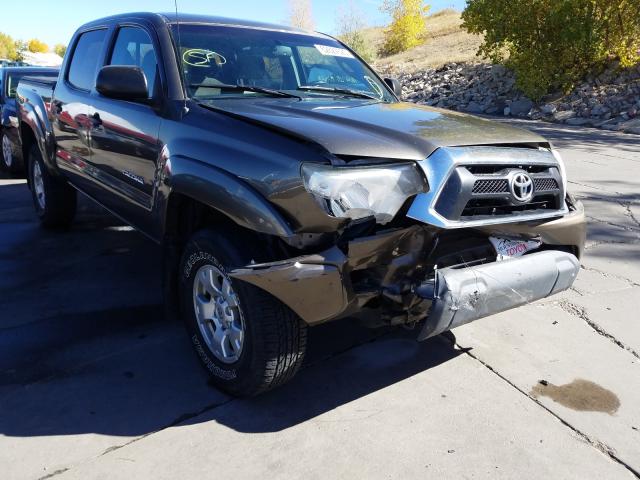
[{"x": 358, "y": 192}]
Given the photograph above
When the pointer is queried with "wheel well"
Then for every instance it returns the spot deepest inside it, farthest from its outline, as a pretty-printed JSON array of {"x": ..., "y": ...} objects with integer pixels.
[
  {"x": 184, "y": 217},
  {"x": 28, "y": 138}
]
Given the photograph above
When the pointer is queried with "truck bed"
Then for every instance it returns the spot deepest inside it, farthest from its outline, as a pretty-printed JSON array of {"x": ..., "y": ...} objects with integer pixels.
[{"x": 42, "y": 86}]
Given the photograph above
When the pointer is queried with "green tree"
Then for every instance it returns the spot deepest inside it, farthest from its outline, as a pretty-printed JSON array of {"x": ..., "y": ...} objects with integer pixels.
[
  {"x": 21, "y": 47},
  {"x": 60, "y": 49},
  {"x": 408, "y": 25},
  {"x": 37, "y": 46},
  {"x": 351, "y": 26},
  {"x": 7, "y": 47},
  {"x": 552, "y": 44}
]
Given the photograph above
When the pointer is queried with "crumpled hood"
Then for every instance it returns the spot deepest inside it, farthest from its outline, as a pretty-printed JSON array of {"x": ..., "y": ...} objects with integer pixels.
[{"x": 369, "y": 129}]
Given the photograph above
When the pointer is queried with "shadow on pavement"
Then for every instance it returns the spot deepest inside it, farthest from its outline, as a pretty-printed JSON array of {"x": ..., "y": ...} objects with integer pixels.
[
  {"x": 85, "y": 347},
  {"x": 338, "y": 381}
]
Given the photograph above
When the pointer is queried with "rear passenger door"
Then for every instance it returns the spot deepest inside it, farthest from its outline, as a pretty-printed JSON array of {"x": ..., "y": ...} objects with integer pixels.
[
  {"x": 70, "y": 108},
  {"x": 124, "y": 134}
]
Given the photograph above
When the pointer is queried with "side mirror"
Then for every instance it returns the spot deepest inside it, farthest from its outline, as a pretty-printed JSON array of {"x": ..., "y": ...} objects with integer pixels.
[
  {"x": 395, "y": 85},
  {"x": 122, "y": 82}
]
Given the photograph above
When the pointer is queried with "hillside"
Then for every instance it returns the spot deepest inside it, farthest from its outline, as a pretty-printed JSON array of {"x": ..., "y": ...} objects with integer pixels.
[{"x": 446, "y": 42}]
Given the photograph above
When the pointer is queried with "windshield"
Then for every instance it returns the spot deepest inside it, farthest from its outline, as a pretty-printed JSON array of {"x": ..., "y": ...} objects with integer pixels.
[{"x": 298, "y": 64}]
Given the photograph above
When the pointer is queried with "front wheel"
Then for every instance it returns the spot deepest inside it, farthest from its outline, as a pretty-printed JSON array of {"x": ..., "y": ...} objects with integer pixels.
[
  {"x": 54, "y": 200},
  {"x": 248, "y": 340}
]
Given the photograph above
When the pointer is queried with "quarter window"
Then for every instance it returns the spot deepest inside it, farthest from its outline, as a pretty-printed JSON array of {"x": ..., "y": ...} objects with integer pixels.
[
  {"x": 82, "y": 71},
  {"x": 134, "y": 47}
]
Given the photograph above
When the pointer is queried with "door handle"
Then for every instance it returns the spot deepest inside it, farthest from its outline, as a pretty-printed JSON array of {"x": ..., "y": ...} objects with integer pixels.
[{"x": 96, "y": 121}]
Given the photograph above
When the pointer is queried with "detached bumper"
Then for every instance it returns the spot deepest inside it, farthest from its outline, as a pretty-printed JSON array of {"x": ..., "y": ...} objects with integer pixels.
[{"x": 463, "y": 295}]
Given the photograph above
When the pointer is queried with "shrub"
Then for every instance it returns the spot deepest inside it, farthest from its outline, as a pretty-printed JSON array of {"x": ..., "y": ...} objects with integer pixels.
[
  {"x": 408, "y": 25},
  {"x": 37, "y": 46},
  {"x": 60, "y": 49},
  {"x": 552, "y": 44},
  {"x": 7, "y": 47}
]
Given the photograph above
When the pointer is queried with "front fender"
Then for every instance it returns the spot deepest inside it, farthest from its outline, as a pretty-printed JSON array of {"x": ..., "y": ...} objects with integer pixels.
[{"x": 224, "y": 192}]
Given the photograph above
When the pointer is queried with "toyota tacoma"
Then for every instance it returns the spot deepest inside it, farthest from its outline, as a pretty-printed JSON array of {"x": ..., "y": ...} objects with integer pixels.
[{"x": 289, "y": 186}]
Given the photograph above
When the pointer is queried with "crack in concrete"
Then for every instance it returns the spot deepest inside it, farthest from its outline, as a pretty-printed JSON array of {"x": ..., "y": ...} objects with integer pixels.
[
  {"x": 182, "y": 418},
  {"x": 611, "y": 275},
  {"x": 597, "y": 444},
  {"x": 594, "y": 187},
  {"x": 629, "y": 213},
  {"x": 581, "y": 313},
  {"x": 612, "y": 224},
  {"x": 188, "y": 416},
  {"x": 610, "y": 242},
  {"x": 53, "y": 474}
]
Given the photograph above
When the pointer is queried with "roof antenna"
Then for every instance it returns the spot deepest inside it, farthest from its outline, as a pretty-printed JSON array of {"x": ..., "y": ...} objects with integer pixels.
[{"x": 185, "y": 109}]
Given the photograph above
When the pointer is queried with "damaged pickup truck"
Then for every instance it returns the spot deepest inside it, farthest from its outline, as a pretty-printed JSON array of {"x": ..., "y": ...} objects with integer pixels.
[{"x": 290, "y": 187}]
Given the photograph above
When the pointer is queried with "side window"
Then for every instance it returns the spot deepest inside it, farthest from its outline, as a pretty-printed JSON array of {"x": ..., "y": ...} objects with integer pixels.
[
  {"x": 134, "y": 47},
  {"x": 82, "y": 71}
]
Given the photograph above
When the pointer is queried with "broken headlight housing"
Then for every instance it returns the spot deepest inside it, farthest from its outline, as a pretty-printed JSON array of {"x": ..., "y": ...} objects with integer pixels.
[{"x": 358, "y": 192}]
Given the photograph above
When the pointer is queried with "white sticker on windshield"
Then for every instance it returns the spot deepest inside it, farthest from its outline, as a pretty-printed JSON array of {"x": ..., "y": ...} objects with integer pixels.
[{"x": 334, "y": 51}]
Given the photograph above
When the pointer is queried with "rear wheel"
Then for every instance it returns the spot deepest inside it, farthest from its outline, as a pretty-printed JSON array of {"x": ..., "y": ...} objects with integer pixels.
[
  {"x": 248, "y": 340},
  {"x": 54, "y": 199},
  {"x": 8, "y": 161}
]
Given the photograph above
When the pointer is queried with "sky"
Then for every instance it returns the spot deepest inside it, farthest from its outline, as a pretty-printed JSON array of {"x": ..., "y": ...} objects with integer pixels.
[{"x": 54, "y": 21}]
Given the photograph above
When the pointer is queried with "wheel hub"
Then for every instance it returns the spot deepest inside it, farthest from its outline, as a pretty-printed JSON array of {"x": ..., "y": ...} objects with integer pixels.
[
  {"x": 38, "y": 185},
  {"x": 7, "y": 151},
  {"x": 218, "y": 313}
]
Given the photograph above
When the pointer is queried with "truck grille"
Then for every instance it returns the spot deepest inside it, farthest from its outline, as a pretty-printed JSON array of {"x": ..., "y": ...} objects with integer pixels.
[
  {"x": 486, "y": 207},
  {"x": 472, "y": 186},
  {"x": 545, "y": 184},
  {"x": 486, "y": 192},
  {"x": 491, "y": 186}
]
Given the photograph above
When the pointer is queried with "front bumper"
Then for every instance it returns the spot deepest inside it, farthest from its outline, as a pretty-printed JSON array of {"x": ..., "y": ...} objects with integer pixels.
[
  {"x": 385, "y": 274},
  {"x": 463, "y": 295}
]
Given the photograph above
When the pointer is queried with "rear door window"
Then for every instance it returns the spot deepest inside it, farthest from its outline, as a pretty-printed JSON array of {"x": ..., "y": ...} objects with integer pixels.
[{"x": 86, "y": 55}]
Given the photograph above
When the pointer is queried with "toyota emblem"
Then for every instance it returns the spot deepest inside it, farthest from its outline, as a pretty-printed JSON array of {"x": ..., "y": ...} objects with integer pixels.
[{"x": 521, "y": 187}]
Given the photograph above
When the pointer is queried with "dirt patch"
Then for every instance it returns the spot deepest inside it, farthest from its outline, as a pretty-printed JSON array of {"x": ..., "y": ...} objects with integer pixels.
[{"x": 581, "y": 395}]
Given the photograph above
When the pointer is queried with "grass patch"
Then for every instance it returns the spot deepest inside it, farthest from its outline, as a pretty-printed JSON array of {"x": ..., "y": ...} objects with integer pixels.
[{"x": 445, "y": 42}]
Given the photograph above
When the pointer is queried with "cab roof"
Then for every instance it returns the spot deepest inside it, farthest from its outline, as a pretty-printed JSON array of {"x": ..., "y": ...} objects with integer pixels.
[{"x": 190, "y": 18}]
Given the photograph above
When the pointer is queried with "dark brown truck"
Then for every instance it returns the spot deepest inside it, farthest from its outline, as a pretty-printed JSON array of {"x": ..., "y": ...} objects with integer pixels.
[{"x": 289, "y": 186}]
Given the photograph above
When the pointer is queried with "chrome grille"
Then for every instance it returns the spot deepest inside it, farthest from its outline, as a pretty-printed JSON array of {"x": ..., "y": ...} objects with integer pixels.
[{"x": 470, "y": 186}]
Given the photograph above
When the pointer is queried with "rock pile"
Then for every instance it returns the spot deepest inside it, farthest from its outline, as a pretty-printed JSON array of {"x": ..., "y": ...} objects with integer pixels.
[{"x": 610, "y": 100}]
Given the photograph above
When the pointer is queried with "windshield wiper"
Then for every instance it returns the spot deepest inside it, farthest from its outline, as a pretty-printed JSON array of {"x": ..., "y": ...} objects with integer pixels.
[
  {"x": 343, "y": 91},
  {"x": 245, "y": 88}
]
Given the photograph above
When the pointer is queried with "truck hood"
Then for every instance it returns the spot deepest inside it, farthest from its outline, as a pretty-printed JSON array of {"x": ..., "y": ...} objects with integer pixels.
[{"x": 362, "y": 128}]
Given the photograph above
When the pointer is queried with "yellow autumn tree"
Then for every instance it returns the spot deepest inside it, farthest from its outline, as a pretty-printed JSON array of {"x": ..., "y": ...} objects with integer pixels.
[
  {"x": 408, "y": 25},
  {"x": 37, "y": 46}
]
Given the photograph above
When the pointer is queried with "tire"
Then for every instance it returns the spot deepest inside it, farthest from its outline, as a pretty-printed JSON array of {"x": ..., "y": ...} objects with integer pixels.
[
  {"x": 274, "y": 338},
  {"x": 54, "y": 199},
  {"x": 8, "y": 161}
]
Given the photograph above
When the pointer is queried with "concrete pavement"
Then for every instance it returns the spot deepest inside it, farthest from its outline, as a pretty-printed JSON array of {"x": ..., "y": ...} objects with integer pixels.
[{"x": 95, "y": 383}]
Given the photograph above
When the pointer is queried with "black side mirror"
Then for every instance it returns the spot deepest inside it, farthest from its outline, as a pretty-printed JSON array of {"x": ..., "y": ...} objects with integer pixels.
[
  {"x": 122, "y": 82},
  {"x": 395, "y": 85}
]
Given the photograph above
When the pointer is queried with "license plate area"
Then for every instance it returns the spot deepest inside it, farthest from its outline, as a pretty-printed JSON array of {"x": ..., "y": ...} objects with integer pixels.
[{"x": 507, "y": 248}]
